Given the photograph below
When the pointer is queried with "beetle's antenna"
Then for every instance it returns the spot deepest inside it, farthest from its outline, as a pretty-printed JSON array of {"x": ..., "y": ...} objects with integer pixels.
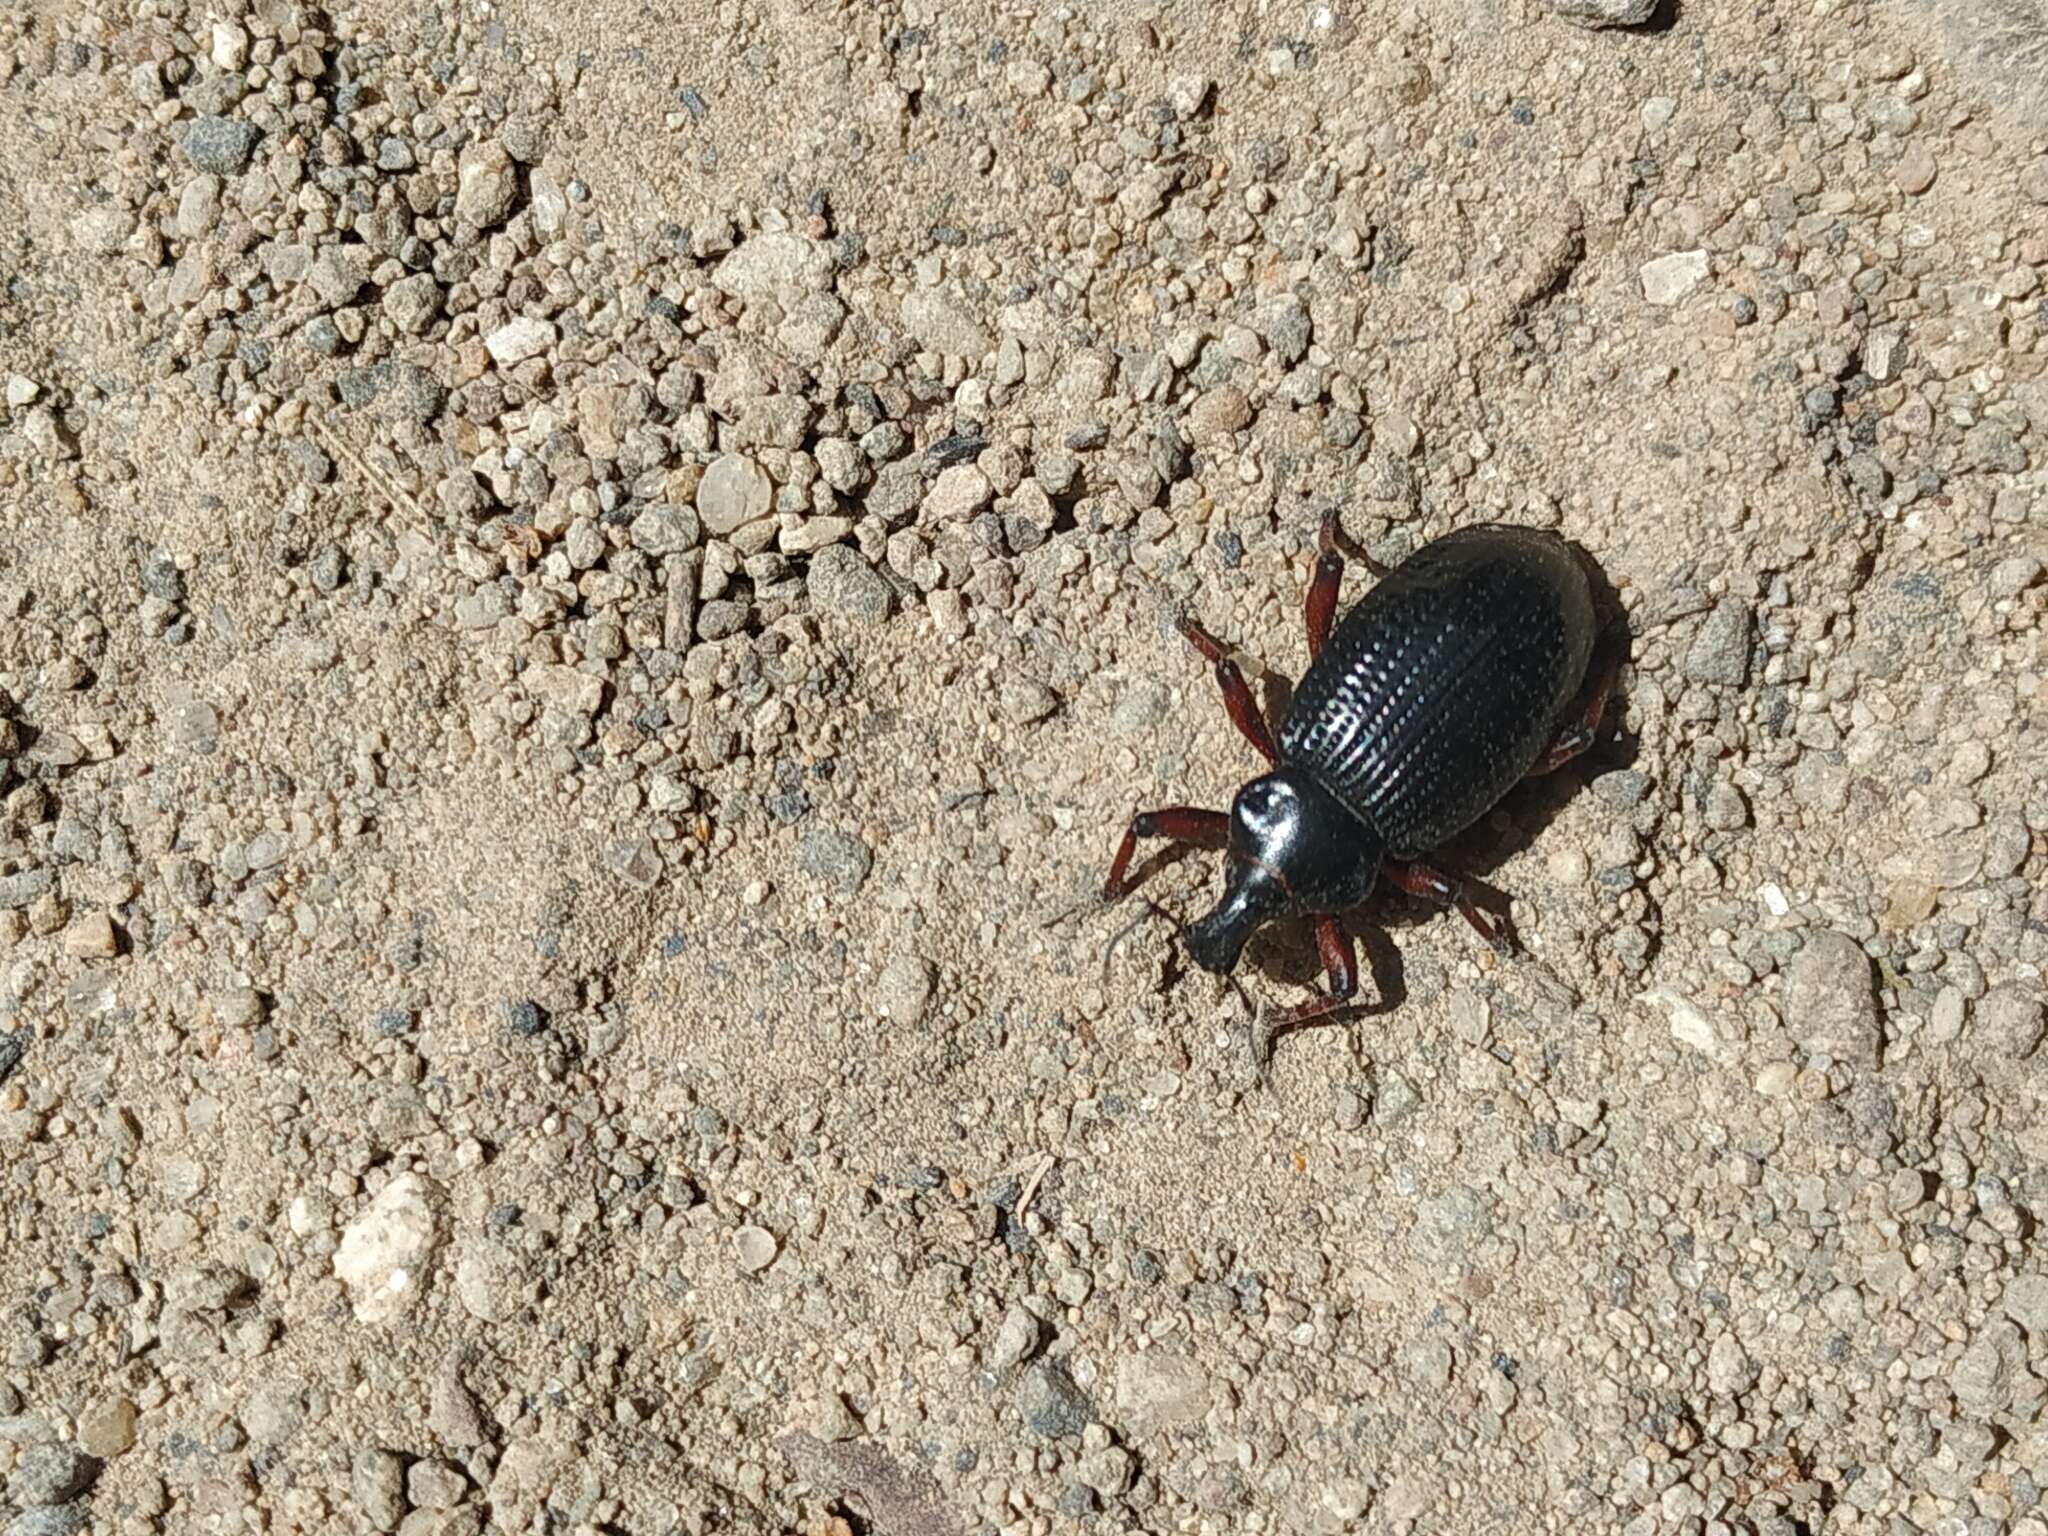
[
  {"x": 1080, "y": 906},
  {"x": 1152, "y": 909}
]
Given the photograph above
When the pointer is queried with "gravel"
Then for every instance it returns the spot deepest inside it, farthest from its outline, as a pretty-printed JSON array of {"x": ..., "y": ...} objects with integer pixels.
[{"x": 577, "y": 636}]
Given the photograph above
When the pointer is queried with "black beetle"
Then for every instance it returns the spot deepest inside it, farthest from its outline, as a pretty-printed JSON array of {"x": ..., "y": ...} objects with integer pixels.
[{"x": 1462, "y": 672}]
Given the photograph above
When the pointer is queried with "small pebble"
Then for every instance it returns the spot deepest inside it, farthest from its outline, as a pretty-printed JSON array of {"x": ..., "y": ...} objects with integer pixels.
[{"x": 754, "y": 1248}]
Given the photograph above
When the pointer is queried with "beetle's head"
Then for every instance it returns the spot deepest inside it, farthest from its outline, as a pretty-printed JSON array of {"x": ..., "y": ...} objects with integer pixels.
[{"x": 1294, "y": 849}]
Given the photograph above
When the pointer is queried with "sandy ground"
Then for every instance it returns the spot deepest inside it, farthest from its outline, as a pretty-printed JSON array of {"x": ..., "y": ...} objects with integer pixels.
[{"x": 586, "y": 589}]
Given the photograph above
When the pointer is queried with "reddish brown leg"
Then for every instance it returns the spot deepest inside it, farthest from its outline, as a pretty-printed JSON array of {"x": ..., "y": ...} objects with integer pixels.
[
  {"x": 1322, "y": 587},
  {"x": 1434, "y": 885},
  {"x": 1182, "y": 823},
  {"x": 1237, "y": 693},
  {"x": 1579, "y": 732},
  {"x": 1339, "y": 959}
]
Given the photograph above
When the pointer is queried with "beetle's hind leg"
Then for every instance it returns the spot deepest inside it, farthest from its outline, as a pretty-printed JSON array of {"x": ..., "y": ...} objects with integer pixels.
[
  {"x": 1447, "y": 891},
  {"x": 1237, "y": 693},
  {"x": 1180, "y": 823},
  {"x": 1582, "y": 727}
]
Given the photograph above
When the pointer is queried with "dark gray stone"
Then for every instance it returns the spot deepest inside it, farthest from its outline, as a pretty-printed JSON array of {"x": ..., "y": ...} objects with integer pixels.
[
  {"x": 838, "y": 858},
  {"x": 51, "y": 1474},
  {"x": 840, "y": 582},
  {"x": 1720, "y": 651},
  {"x": 1051, "y": 1404},
  {"x": 221, "y": 146}
]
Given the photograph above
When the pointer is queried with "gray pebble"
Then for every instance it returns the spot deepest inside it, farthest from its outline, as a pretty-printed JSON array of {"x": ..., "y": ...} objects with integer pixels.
[
  {"x": 666, "y": 529},
  {"x": 1622, "y": 789},
  {"x": 221, "y": 146},
  {"x": 1051, "y": 1404},
  {"x": 51, "y": 1474},
  {"x": 721, "y": 617},
  {"x": 17, "y": 891},
  {"x": 1720, "y": 651},
  {"x": 213, "y": 92},
  {"x": 886, "y": 441},
  {"x": 1870, "y": 476},
  {"x": 1594, "y": 14},
  {"x": 897, "y": 491},
  {"x": 838, "y": 858},
  {"x": 413, "y": 302},
  {"x": 328, "y": 568},
  {"x": 1990, "y": 445},
  {"x": 1447, "y": 1226},
  {"x": 1026, "y": 701},
  {"x": 1831, "y": 999},
  {"x": 1017, "y": 1340},
  {"x": 406, "y": 390},
  {"x": 59, "y": 1520},
  {"x": 1396, "y": 1099},
  {"x": 1140, "y": 707},
  {"x": 1287, "y": 331},
  {"x": 337, "y": 275},
  {"x": 1983, "y": 1379},
  {"x": 1056, "y": 472},
  {"x": 840, "y": 582},
  {"x": 377, "y": 1487},
  {"x": 2026, "y": 1303},
  {"x": 525, "y": 1018},
  {"x": 161, "y": 577},
  {"x": 323, "y": 335},
  {"x": 314, "y": 467},
  {"x": 2008, "y": 1022}
]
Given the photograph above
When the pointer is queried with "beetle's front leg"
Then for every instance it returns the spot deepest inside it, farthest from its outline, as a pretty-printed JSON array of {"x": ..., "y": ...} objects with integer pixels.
[
  {"x": 1340, "y": 959},
  {"x": 1181, "y": 823}
]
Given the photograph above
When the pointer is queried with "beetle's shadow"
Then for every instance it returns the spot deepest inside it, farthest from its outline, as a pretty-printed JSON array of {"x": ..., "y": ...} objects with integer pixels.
[{"x": 1286, "y": 954}]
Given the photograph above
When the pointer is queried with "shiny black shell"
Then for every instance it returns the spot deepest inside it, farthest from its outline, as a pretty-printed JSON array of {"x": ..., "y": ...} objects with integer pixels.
[{"x": 1440, "y": 689}]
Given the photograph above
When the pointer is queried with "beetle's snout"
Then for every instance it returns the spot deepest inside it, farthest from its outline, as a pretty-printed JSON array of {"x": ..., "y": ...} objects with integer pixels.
[{"x": 1215, "y": 942}]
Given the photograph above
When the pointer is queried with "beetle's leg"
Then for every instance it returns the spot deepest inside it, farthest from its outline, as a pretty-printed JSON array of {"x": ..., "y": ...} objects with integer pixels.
[
  {"x": 1237, "y": 693},
  {"x": 1182, "y": 823},
  {"x": 1583, "y": 727},
  {"x": 1341, "y": 961},
  {"x": 1322, "y": 587},
  {"x": 1434, "y": 885}
]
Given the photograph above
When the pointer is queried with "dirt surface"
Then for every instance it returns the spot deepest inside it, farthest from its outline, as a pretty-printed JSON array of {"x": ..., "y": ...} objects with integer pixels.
[{"x": 586, "y": 591}]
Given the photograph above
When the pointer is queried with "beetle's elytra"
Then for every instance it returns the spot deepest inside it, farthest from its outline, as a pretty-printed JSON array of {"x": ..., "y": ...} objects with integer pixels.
[{"x": 1463, "y": 671}]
